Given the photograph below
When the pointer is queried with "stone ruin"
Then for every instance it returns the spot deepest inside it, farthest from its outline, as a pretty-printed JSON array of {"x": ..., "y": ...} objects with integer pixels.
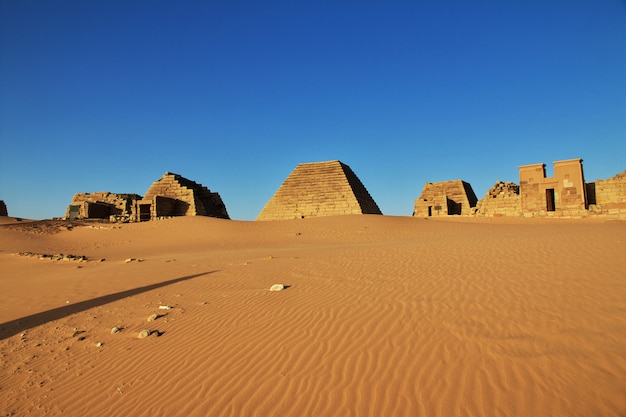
[
  {"x": 445, "y": 198},
  {"x": 102, "y": 205},
  {"x": 331, "y": 188},
  {"x": 174, "y": 195},
  {"x": 3, "y": 209},
  {"x": 565, "y": 194},
  {"x": 319, "y": 189},
  {"x": 608, "y": 197},
  {"x": 171, "y": 195},
  {"x": 501, "y": 200}
]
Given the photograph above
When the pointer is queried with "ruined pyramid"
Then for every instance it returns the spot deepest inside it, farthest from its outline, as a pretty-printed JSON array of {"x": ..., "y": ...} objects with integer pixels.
[
  {"x": 175, "y": 195},
  {"x": 318, "y": 189}
]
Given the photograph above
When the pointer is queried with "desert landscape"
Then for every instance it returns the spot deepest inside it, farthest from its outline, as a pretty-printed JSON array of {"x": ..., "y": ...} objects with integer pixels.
[{"x": 379, "y": 316}]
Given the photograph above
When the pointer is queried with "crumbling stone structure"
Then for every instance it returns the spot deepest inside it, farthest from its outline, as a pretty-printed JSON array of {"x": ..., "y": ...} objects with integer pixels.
[
  {"x": 445, "y": 198},
  {"x": 174, "y": 195},
  {"x": 319, "y": 189},
  {"x": 502, "y": 199},
  {"x": 102, "y": 205},
  {"x": 3, "y": 209},
  {"x": 564, "y": 194},
  {"x": 608, "y": 197}
]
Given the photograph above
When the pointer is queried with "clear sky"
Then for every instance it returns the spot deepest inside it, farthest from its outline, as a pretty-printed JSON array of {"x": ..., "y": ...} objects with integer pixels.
[{"x": 108, "y": 95}]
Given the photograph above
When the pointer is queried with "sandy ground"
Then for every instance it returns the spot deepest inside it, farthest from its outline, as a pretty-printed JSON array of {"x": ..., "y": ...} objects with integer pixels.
[{"x": 382, "y": 316}]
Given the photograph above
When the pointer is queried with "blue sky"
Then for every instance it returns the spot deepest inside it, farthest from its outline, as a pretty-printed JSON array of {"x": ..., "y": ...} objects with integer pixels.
[{"x": 108, "y": 95}]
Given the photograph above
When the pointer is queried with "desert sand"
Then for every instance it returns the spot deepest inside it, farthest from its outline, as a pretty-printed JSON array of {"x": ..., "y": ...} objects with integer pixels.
[{"x": 381, "y": 316}]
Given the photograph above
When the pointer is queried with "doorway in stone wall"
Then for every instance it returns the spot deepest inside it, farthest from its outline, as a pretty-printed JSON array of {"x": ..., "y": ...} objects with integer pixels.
[
  {"x": 144, "y": 212},
  {"x": 550, "y": 203},
  {"x": 74, "y": 212},
  {"x": 430, "y": 211}
]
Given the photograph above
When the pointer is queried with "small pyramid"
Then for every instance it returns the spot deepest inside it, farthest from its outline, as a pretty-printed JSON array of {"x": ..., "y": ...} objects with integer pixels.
[
  {"x": 174, "y": 195},
  {"x": 319, "y": 189},
  {"x": 445, "y": 198}
]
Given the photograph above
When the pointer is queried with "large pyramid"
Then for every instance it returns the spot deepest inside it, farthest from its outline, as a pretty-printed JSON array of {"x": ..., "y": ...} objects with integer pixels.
[{"x": 319, "y": 189}]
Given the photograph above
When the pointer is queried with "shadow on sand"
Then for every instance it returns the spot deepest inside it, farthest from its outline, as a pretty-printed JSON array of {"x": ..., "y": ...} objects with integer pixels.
[{"x": 16, "y": 326}]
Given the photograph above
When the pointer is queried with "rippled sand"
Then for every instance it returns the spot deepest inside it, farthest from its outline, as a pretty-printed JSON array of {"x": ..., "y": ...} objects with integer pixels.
[{"x": 382, "y": 316}]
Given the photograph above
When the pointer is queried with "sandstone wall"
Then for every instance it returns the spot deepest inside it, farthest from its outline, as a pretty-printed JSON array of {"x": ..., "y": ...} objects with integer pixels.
[
  {"x": 610, "y": 197},
  {"x": 3, "y": 209},
  {"x": 319, "y": 189},
  {"x": 502, "y": 199}
]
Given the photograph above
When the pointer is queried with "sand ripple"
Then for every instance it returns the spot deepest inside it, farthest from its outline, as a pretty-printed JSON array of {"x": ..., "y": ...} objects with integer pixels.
[{"x": 382, "y": 316}]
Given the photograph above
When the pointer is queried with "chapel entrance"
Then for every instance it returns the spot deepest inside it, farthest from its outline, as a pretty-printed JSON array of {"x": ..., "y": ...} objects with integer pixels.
[
  {"x": 144, "y": 212},
  {"x": 550, "y": 203}
]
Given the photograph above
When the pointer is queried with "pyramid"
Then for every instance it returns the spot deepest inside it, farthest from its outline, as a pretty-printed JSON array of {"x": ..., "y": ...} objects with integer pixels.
[
  {"x": 319, "y": 189},
  {"x": 445, "y": 198},
  {"x": 174, "y": 195}
]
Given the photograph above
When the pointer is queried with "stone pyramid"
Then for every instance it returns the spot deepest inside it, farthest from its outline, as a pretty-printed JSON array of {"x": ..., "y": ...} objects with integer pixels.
[
  {"x": 319, "y": 189},
  {"x": 174, "y": 195},
  {"x": 445, "y": 198}
]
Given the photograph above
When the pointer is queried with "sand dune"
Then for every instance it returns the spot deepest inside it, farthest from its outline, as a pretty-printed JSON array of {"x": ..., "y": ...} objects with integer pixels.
[{"x": 383, "y": 316}]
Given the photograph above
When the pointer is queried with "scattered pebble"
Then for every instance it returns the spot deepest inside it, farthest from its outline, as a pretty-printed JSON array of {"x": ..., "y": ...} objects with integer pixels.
[
  {"x": 152, "y": 317},
  {"x": 115, "y": 330},
  {"x": 100, "y": 344},
  {"x": 277, "y": 287},
  {"x": 165, "y": 308},
  {"x": 129, "y": 260},
  {"x": 144, "y": 333},
  {"x": 55, "y": 257}
]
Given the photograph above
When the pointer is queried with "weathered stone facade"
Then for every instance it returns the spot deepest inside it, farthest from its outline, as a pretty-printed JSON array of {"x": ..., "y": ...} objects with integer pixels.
[
  {"x": 445, "y": 198},
  {"x": 174, "y": 195},
  {"x": 502, "y": 199},
  {"x": 101, "y": 205},
  {"x": 607, "y": 198},
  {"x": 3, "y": 209},
  {"x": 564, "y": 194},
  {"x": 319, "y": 189}
]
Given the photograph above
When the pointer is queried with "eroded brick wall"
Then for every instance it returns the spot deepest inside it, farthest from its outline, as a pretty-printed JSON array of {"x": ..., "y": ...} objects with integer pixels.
[
  {"x": 103, "y": 204},
  {"x": 502, "y": 199},
  {"x": 610, "y": 197}
]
